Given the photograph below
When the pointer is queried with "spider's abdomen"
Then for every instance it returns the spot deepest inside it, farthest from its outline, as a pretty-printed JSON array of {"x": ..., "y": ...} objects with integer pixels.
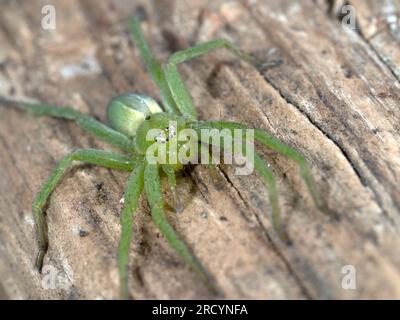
[{"x": 128, "y": 111}]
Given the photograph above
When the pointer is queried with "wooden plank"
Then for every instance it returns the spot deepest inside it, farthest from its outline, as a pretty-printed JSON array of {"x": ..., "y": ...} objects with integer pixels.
[
  {"x": 379, "y": 25},
  {"x": 331, "y": 96}
]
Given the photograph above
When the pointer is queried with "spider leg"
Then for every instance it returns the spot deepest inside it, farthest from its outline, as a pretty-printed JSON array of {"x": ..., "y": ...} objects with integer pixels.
[
  {"x": 265, "y": 173},
  {"x": 170, "y": 173},
  {"x": 133, "y": 190},
  {"x": 291, "y": 153},
  {"x": 86, "y": 122},
  {"x": 152, "y": 65},
  {"x": 176, "y": 85},
  {"x": 92, "y": 156},
  {"x": 152, "y": 186},
  {"x": 269, "y": 180},
  {"x": 284, "y": 149}
]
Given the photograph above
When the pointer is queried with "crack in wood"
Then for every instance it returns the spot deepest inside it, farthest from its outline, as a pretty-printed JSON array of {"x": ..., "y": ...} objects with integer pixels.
[
  {"x": 291, "y": 270},
  {"x": 359, "y": 32}
]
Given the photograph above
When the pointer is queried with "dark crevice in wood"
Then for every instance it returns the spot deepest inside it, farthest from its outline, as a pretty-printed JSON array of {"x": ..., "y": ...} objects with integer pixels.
[
  {"x": 378, "y": 55},
  {"x": 201, "y": 186},
  {"x": 293, "y": 103},
  {"x": 275, "y": 248},
  {"x": 327, "y": 134},
  {"x": 226, "y": 176}
]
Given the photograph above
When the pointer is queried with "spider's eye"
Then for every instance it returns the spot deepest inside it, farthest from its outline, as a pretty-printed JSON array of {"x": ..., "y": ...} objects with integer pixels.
[{"x": 161, "y": 138}]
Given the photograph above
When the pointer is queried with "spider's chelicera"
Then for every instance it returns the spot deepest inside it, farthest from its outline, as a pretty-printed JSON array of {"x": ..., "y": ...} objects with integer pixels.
[{"x": 155, "y": 141}]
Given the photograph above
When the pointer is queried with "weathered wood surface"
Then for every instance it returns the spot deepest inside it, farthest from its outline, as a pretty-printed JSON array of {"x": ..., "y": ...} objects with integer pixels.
[{"x": 335, "y": 96}]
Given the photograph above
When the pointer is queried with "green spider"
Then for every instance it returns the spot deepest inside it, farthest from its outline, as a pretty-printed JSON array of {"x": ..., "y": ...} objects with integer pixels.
[{"x": 131, "y": 117}]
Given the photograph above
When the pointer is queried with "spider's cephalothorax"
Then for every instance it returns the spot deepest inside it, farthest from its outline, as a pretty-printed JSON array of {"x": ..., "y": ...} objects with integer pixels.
[
  {"x": 137, "y": 125},
  {"x": 141, "y": 118}
]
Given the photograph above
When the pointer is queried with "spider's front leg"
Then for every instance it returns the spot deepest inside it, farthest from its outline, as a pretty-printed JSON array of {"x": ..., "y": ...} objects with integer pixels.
[
  {"x": 174, "y": 94},
  {"x": 176, "y": 85},
  {"x": 152, "y": 187},
  {"x": 259, "y": 165},
  {"x": 170, "y": 173},
  {"x": 133, "y": 190},
  {"x": 278, "y": 146},
  {"x": 97, "y": 157},
  {"x": 153, "y": 66},
  {"x": 274, "y": 144}
]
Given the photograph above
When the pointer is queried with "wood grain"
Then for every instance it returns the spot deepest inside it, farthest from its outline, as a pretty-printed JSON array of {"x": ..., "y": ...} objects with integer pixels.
[{"x": 330, "y": 91}]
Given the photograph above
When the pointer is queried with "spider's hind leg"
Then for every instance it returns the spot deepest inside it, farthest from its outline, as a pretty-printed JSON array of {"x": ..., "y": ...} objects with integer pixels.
[
  {"x": 96, "y": 157},
  {"x": 86, "y": 122}
]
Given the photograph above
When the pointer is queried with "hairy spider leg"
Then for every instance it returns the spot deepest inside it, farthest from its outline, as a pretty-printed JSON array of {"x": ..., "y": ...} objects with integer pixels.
[
  {"x": 174, "y": 92},
  {"x": 170, "y": 173},
  {"x": 97, "y": 157},
  {"x": 152, "y": 66},
  {"x": 133, "y": 190},
  {"x": 176, "y": 85},
  {"x": 266, "y": 174},
  {"x": 152, "y": 187},
  {"x": 86, "y": 122},
  {"x": 264, "y": 171},
  {"x": 291, "y": 153},
  {"x": 274, "y": 144}
]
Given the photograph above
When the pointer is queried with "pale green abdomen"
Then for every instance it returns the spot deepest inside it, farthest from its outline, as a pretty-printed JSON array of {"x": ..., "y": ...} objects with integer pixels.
[{"x": 127, "y": 112}]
